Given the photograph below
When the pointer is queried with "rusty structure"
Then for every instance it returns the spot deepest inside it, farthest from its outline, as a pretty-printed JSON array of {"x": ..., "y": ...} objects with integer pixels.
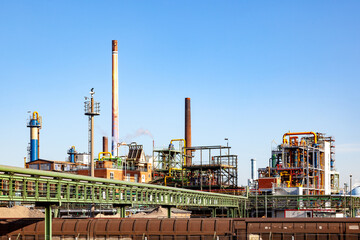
[
  {"x": 115, "y": 97},
  {"x": 205, "y": 168},
  {"x": 105, "y": 144},
  {"x": 186, "y": 229},
  {"x": 213, "y": 169}
]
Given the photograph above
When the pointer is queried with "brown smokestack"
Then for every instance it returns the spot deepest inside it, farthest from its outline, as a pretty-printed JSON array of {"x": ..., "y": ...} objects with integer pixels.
[
  {"x": 188, "y": 130},
  {"x": 105, "y": 144}
]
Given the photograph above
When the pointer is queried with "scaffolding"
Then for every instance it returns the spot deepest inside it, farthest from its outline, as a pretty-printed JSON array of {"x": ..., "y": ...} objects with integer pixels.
[
  {"x": 211, "y": 171},
  {"x": 213, "y": 168},
  {"x": 168, "y": 165}
]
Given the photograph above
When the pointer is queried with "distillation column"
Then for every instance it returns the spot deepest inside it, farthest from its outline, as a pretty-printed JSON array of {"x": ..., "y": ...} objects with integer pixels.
[{"x": 34, "y": 125}]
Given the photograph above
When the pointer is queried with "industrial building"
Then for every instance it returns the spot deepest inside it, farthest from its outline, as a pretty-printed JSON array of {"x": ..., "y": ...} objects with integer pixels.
[
  {"x": 205, "y": 168},
  {"x": 304, "y": 164},
  {"x": 133, "y": 167}
]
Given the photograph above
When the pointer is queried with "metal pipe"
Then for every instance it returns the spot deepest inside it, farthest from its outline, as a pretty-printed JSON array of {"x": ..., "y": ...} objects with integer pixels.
[
  {"x": 173, "y": 140},
  {"x": 188, "y": 131},
  {"x": 115, "y": 98},
  {"x": 72, "y": 153},
  {"x": 300, "y": 133},
  {"x": 104, "y": 153}
]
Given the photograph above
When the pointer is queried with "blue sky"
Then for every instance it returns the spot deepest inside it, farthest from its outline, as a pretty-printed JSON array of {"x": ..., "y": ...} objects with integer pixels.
[{"x": 253, "y": 70}]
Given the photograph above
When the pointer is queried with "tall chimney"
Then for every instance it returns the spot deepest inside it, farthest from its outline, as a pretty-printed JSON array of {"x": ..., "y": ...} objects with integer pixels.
[
  {"x": 253, "y": 169},
  {"x": 105, "y": 144},
  {"x": 188, "y": 130},
  {"x": 115, "y": 98}
]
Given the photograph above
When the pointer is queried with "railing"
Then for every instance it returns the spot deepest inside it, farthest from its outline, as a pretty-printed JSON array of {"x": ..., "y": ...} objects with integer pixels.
[
  {"x": 303, "y": 202},
  {"x": 28, "y": 185}
]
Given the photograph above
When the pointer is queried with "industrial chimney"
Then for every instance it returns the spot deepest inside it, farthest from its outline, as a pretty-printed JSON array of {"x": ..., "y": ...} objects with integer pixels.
[
  {"x": 188, "y": 131},
  {"x": 115, "y": 98},
  {"x": 105, "y": 144},
  {"x": 253, "y": 169}
]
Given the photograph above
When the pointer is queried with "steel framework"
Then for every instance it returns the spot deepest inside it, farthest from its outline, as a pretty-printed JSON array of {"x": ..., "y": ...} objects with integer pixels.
[
  {"x": 52, "y": 188},
  {"x": 265, "y": 203}
]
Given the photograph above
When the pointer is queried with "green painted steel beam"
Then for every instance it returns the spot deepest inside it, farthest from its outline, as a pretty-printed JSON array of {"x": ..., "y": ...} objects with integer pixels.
[
  {"x": 28, "y": 185},
  {"x": 48, "y": 223}
]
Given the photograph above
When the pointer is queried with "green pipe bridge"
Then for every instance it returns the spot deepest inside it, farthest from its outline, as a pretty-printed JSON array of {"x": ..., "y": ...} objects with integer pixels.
[{"x": 47, "y": 189}]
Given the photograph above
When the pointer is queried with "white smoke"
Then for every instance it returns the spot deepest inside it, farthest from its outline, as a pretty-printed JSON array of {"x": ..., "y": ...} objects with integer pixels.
[
  {"x": 140, "y": 132},
  {"x": 102, "y": 131}
]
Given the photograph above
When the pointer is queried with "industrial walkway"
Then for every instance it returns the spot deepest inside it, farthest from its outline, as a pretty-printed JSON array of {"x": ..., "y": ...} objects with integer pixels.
[{"x": 45, "y": 188}]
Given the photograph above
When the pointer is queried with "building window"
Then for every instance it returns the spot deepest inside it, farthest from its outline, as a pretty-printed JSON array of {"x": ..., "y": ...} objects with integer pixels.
[
  {"x": 66, "y": 167},
  {"x": 45, "y": 166},
  {"x": 143, "y": 178},
  {"x": 111, "y": 175},
  {"x": 136, "y": 179},
  {"x": 57, "y": 167},
  {"x": 34, "y": 166}
]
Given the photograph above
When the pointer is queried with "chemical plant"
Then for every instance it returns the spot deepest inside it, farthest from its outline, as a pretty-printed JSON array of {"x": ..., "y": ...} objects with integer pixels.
[
  {"x": 304, "y": 165},
  {"x": 184, "y": 180}
]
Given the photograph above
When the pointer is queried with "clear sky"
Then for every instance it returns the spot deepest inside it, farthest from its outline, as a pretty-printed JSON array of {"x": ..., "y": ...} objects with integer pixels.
[{"x": 253, "y": 70}]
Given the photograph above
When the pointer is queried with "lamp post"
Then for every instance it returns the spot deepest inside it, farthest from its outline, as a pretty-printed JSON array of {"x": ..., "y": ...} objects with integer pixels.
[
  {"x": 256, "y": 199},
  {"x": 351, "y": 201},
  {"x": 92, "y": 109},
  {"x": 345, "y": 188},
  {"x": 117, "y": 152},
  {"x": 227, "y": 145}
]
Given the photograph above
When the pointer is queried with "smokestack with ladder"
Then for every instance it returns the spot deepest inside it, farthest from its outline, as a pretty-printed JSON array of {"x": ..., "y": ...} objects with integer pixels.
[
  {"x": 34, "y": 124},
  {"x": 115, "y": 98},
  {"x": 188, "y": 131}
]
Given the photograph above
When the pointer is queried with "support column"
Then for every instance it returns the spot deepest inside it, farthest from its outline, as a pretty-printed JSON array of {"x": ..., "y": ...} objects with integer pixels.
[
  {"x": 122, "y": 212},
  {"x": 56, "y": 213},
  {"x": 169, "y": 212},
  {"x": 121, "y": 208},
  {"x": 213, "y": 213},
  {"x": 48, "y": 222},
  {"x": 230, "y": 212}
]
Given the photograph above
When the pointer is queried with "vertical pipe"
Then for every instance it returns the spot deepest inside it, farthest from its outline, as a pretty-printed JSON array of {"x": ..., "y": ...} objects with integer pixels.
[
  {"x": 105, "y": 144},
  {"x": 188, "y": 130},
  {"x": 38, "y": 144},
  {"x": 72, "y": 153},
  {"x": 115, "y": 99}
]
